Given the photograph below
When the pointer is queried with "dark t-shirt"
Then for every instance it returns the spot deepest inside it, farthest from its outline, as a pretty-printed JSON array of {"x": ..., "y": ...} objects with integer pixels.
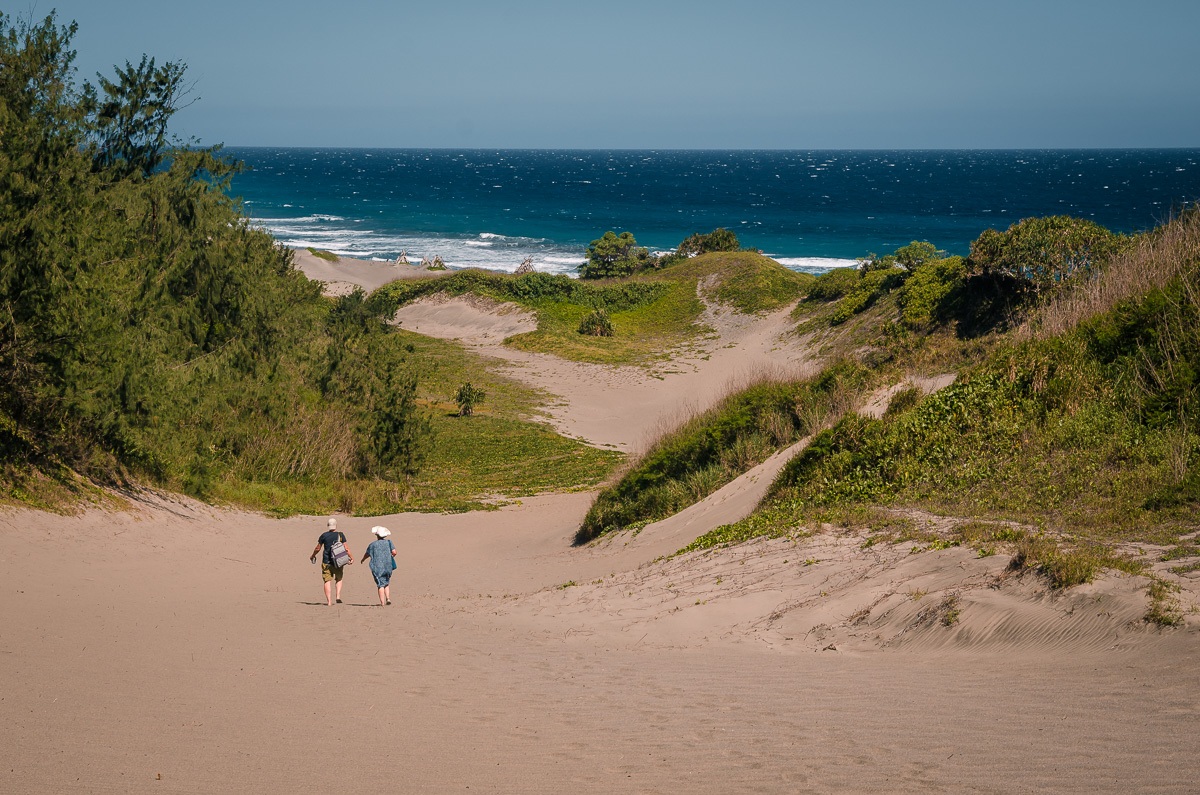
[{"x": 326, "y": 540}]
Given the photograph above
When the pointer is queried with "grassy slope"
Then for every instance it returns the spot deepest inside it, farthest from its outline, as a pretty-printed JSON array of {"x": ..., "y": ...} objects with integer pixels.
[
  {"x": 501, "y": 451},
  {"x": 652, "y": 313},
  {"x": 1087, "y": 436}
]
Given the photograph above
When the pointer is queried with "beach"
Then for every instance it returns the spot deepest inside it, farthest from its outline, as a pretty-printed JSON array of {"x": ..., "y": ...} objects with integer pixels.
[{"x": 163, "y": 645}]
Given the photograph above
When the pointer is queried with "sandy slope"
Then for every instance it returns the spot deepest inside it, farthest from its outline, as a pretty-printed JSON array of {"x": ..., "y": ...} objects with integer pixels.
[
  {"x": 343, "y": 276},
  {"x": 192, "y": 643},
  {"x": 621, "y": 406}
]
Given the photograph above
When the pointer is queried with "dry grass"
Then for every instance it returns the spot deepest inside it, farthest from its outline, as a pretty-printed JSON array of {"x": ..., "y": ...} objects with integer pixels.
[
  {"x": 312, "y": 443},
  {"x": 1155, "y": 259}
]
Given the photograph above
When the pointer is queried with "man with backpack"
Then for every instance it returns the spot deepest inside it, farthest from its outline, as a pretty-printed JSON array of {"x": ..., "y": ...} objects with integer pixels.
[{"x": 334, "y": 558}]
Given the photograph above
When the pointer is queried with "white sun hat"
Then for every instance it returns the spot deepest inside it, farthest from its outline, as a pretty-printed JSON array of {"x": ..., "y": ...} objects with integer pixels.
[
  {"x": 381, "y": 531},
  {"x": 331, "y": 524}
]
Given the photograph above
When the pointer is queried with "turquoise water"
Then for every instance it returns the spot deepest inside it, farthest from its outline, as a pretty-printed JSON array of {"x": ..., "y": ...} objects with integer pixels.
[{"x": 809, "y": 210}]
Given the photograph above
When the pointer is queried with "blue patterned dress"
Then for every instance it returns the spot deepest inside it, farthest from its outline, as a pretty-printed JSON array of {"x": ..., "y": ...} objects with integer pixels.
[{"x": 381, "y": 561}]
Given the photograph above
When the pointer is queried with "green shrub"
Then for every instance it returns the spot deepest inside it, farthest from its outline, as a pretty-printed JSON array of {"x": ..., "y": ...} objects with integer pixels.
[
  {"x": 833, "y": 284},
  {"x": 916, "y": 255},
  {"x": 530, "y": 289},
  {"x": 1043, "y": 253},
  {"x": 717, "y": 240},
  {"x": 467, "y": 397},
  {"x": 612, "y": 256},
  {"x": 928, "y": 292},
  {"x": 597, "y": 324},
  {"x": 871, "y": 285}
]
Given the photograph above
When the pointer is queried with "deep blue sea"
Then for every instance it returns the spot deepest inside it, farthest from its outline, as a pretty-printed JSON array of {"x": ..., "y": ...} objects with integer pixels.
[{"x": 811, "y": 210}]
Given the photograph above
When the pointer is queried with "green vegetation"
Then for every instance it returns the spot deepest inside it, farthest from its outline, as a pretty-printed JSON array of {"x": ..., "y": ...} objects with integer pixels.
[
  {"x": 1042, "y": 253},
  {"x": 1082, "y": 426},
  {"x": 467, "y": 397},
  {"x": 150, "y": 334},
  {"x": 597, "y": 324},
  {"x": 744, "y": 280},
  {"x": 717, "y": 240},
  {"x": 612, "y": 256},
  {"x": 328, "y": 256},
  {"x": 651, "y": 313},
  {"x": 1090, "y": 433},
  {"x": 711, "y": 449},
  {"x": 147, "y": 329}
]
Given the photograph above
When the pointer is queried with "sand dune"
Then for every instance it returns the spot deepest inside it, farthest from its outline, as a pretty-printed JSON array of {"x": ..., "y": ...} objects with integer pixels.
[
  {"x": 176, "y": 647},
  {"x": 621, "y": 406}
]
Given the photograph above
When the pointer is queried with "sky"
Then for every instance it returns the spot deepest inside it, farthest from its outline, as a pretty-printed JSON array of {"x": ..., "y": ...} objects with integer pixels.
[{"x": 652, "y": 74}]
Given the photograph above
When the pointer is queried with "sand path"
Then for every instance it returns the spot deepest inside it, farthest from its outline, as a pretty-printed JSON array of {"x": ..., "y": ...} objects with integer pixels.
[
  {"x": 193, "y": 644},
  {"x": 622, "y": 407},
  {"x": 174, "y": 647}
]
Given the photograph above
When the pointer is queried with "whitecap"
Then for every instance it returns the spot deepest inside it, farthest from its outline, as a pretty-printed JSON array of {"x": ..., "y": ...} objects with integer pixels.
[{"x": 815, "y": 265}]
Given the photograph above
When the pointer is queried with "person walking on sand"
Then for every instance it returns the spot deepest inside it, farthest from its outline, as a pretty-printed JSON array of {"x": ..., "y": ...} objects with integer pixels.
[
  {"x": 382, "y": 556},
  {"x": 331, "y": 573}
]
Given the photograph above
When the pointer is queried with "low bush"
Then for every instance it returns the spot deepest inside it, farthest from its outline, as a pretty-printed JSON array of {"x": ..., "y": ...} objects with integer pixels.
[
  {"x": 717, "y": 240},
  {"x": 871, "y": 285},
  {"x": 467, "y": 397},
  {"x": 926, "y": 297},
  {"x": 597, "y": 324},
  {"x": 613, "y": 256},
  {"x": 1042, "y": 254},
  {"x": 530, "y": 289},
  {"x": 833, "y": 284}
]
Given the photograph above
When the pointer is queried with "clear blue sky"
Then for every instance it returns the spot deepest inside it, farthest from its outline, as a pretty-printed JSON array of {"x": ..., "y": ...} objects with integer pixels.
[{"x": 655, "y": 74}]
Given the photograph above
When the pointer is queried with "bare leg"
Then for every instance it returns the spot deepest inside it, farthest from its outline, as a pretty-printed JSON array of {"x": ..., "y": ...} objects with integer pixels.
[
  {"x": 387, "y": 592},
  {"x": 381, "y": 597},
  {"x": 329, "y": 593},
  {"x": 339, "y": 590}
]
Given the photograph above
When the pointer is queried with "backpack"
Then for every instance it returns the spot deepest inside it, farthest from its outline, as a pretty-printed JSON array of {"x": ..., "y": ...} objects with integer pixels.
[{"x": 338, "y": 554}]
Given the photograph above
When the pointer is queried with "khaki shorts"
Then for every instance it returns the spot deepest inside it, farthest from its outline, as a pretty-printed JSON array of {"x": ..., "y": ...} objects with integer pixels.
[{"x": 329, "y": 572}]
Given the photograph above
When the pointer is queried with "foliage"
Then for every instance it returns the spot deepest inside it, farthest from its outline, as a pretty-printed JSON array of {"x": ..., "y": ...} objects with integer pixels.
[
  {"x": 719, "y": 239},
  {"x": 1089, "y": 436},
  {"x": 916, "y": 254},
  {"x": 927, "y": 295},
  {"x": 833, "y": 284},
  {"x": 708, "y": 451},
  {"x": 868, "y": 288},
  {"x": 398, "y": 438},
  {"x": 146, "y": 328},
  {"x": 467, "y": 397},
  {"x": 535, "y": 290},
  {"x": 1042, "y": 432},
  {"x": 597, "y": 324},
  {"x": 130, "y": 122},
  {"x": 902, "y": 401},
  {"x": 612, "y": 256},
  {"x": 1043, "y": 253}
]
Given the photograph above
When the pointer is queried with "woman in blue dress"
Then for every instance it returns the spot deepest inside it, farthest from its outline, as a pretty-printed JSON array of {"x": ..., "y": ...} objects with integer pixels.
[{"x": 380, "y": 556}]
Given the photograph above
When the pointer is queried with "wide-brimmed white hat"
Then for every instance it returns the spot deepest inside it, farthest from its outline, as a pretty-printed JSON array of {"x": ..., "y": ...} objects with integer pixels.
[
  {"x": 331, "y": 524},
  {"x": 380, "y": 531}
]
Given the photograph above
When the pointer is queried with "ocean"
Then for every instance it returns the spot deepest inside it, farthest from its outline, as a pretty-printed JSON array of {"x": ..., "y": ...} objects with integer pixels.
[{"x": 810, "y": 210}]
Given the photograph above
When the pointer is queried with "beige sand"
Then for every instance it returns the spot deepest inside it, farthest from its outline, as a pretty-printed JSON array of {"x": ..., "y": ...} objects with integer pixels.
[
  {"x": 175, "y": 647},
  {"x": 623, "y": 407},
  {"x": 343, "y": 276}
]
